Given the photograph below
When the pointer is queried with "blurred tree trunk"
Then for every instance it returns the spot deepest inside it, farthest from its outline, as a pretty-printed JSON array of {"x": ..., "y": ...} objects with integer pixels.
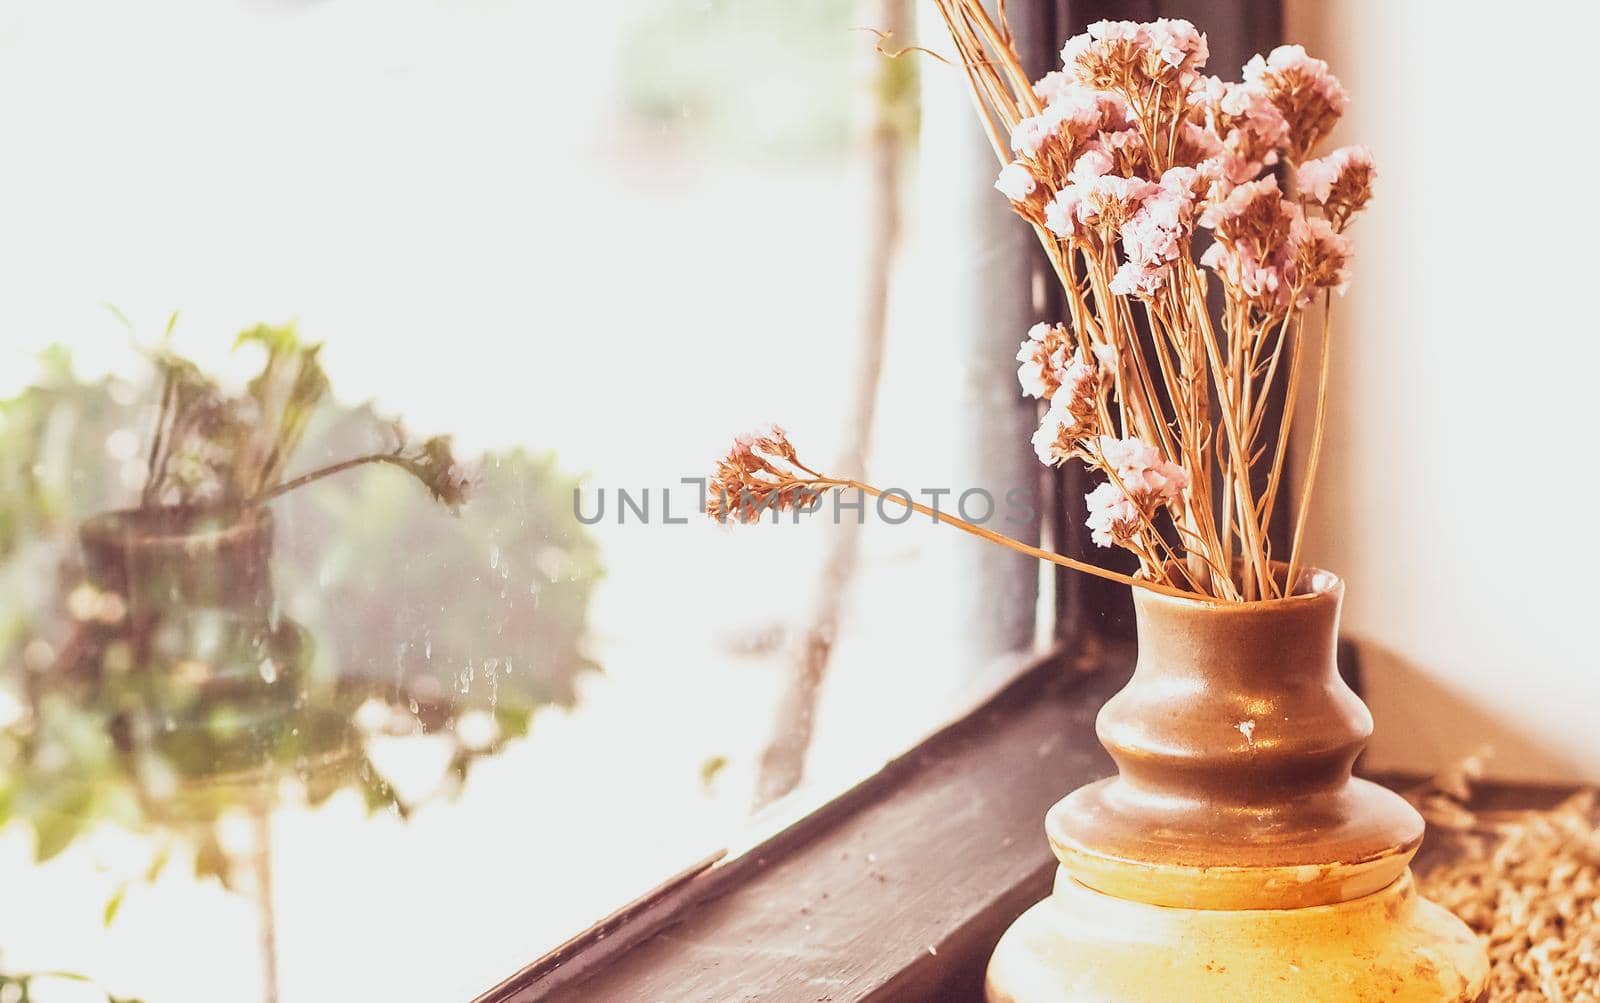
[
  {"x": 266, "y": 915},
  {"x": 887, "y": 122}
]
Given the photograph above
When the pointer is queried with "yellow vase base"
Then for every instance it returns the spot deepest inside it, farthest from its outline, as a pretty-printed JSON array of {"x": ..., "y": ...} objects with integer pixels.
[{"x": 1082, "y": 946}]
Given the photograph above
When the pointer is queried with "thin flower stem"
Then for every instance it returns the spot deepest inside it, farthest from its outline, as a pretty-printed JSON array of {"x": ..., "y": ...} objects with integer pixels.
[
  {"x": 304, "y": 479},
  {"x": 1291, "y": 398},
  {"x": 1316, "y": 443},
  {"x": 1017, "y": 545},
  {"x": 1021, "y": 85}
]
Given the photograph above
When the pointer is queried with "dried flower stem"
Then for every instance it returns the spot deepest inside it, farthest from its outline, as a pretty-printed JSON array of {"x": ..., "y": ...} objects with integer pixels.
[
  {"x": 1316, "y": 439},
  {"x": 1008, "y": 542}
]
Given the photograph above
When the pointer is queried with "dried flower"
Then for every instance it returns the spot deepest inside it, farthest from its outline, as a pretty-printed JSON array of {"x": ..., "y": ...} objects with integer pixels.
[
  {"x": 1143, "y": 472},
  {"x": 1133, "y": 57},
  {"x": 434, "y": 464},
  {"x": 1044, "y": 357},
  {"x": 1061, "y": 213},
  {"x": 1320, "y": 256},
  {"x": 1156, "y": 234},
  {"x": 760, "y": 472},
  {"x": 1341, "y": 182},
  {"x": 1109, "y": 201},
  {"x": 1054, "y": 86},
  {"x": 1133, "y": 279},
  {"x": 1140, "y": 481},
  {"x": 1309, "y": 96},
  {"x": 1260, "y": 283},
  {"x": 1245, "y": 119},
  {"x": 1113, "y": 516},
  {"x": 1029, "y": 134},
  {"x": 1074, "y": 413},
  {"x": 1016, "y": 182}
]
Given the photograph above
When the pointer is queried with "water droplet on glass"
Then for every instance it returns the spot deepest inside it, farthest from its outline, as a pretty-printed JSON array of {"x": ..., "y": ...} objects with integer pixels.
[
  {"x": 494, "y": 555},
  {"x": 269, "y": 670}
]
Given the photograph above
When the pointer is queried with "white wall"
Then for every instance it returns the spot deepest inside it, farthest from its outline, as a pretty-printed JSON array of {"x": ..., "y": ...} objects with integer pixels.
[{"x": 1457, "y": 493}]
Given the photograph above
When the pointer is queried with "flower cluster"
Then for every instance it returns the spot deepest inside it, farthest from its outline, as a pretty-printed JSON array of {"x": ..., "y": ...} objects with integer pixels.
[
  {"x": 1341, "y": 182},
  {"x": 1135, "y": 150},
  {"x": 1043, "y": 356},
  {"x": 1137, "y": 58},
  {"x": 450, "y": 482},
  {"x": 1139, "y": 174},
  {"x": 1141, "y": 481},
  {"x": 756, "y": 475},
  {"x": 1076, "y": 407},
  {"x": 1309, "y": 96}
]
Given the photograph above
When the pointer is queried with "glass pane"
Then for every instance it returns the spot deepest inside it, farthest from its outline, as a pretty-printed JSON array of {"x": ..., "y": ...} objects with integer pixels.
[{"x": 343, "y": 743}]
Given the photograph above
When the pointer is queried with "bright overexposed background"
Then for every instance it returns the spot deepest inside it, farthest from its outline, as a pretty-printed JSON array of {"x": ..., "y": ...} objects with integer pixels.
[{"x": 464, "y": 203}]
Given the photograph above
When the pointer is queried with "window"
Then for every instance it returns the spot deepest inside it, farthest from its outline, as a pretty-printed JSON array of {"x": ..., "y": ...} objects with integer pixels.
[{"x": 589, "y": 243}]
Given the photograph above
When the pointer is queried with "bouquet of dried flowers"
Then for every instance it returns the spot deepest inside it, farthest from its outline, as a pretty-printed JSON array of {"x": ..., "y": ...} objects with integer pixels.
[{"x": 1147, "y": 182}]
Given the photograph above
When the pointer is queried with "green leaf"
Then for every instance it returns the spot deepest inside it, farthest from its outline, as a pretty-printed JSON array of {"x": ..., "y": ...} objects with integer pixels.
[
  {"x": 114, "y": 905},
  {"x": 53, "y": 832},
  {"x": 112, "y": 307}
]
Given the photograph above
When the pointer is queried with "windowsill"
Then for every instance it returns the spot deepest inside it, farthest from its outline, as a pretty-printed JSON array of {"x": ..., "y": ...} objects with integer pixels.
[{"x": 896, "y": 890}]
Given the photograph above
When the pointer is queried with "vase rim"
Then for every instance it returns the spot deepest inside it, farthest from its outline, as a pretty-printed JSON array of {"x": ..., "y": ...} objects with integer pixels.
[
  {"x": 1322, "y": 587},
  {"x": 150, "y": 524}
]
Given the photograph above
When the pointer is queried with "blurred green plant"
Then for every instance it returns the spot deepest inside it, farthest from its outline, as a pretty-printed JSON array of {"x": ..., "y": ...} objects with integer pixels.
[
  {"x": 171, "y": 709},
  {"x": 20, "y": 987}
]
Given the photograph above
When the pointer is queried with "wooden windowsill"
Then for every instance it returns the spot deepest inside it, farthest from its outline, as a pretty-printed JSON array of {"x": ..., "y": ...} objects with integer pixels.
[{"x": 897, "y": 890}]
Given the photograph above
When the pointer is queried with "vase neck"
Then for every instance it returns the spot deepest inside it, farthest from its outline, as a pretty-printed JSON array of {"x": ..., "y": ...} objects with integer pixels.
[{"x": 1234, "y": 743}]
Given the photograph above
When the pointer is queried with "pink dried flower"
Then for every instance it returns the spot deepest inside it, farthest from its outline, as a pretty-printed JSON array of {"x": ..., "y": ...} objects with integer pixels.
[
  {"x": 1133, "y": 279},
  {"x": 1092, "y": 164},
  {"x": 1029, "y": 134},
  {"x": 1139, "y": 466},
  {"x": 1130, "y": 56},
  {"x": 1125, "y": 147},
  {"x": 1196, "y": 143},
  {"x": 1113, "y": 517},
  {"x": 755, "y": 475},
  {"x": 1309, "y": 96},
  {"x": 1321, "y": 256},
  {"x": 1157, "y": 232},
  {"x": 1054, "y": 86},
  {"x": 1110, "y": 200},
  {"x": 1073, "y": 415},
  {"x": 1043, "y": 356},
  {"x": 1140, "y": 481},
  {"x": 1061, "y": 213},
  {"x": 1075, "y": 109},
  {"x": 1253, "y": 211},
  {"x": 1341, "y": 182},
  {"x": 1016, "y": 182},
  {"x": 1261, "y": 283},
  {"x": 1178, "y": 43}
]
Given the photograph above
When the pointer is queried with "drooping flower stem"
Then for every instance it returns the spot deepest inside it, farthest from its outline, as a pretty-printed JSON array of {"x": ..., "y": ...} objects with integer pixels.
[
  {"x": 328, "y": 471},
  {"x": 990, "y": 535}
]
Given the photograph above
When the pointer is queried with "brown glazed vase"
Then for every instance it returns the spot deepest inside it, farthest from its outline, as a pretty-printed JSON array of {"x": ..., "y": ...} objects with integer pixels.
[{"x": 1233, "y": 856}]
